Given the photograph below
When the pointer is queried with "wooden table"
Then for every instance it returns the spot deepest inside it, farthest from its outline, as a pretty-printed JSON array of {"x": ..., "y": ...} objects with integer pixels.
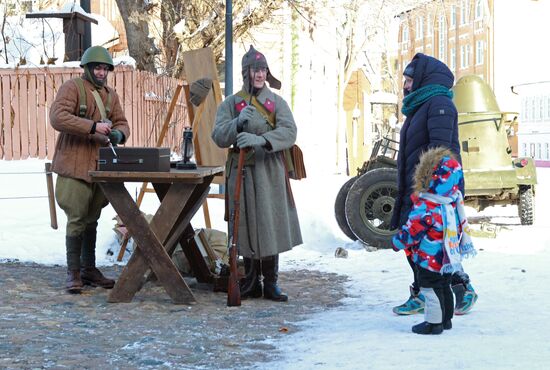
[{"x": 181, "y": 193}]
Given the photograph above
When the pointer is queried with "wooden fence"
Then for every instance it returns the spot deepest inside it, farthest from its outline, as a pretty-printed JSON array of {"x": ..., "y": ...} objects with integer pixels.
[{"x": 27, "y": 94}]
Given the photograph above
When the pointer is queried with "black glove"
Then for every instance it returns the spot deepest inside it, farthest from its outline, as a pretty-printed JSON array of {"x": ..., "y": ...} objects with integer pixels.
[
  {"x": 246, "y": 139},
  {"x": 116, "y": 137}
]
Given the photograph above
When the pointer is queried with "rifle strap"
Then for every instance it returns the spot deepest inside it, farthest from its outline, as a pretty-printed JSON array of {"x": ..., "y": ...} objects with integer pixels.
[{"x": 104, "y": 110}]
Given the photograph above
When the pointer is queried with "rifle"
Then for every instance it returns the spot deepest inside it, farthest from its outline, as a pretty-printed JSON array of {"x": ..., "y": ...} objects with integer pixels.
[{"x": 233, "y": 289}]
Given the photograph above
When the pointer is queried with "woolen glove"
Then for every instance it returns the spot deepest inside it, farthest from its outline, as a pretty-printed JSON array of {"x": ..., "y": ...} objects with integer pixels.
[
  {"x": 245, "y": 116},
  {"x": 246, "y": 139},
  {"x": 101, "y": 139},
  {"x": 116, "y": 137}
]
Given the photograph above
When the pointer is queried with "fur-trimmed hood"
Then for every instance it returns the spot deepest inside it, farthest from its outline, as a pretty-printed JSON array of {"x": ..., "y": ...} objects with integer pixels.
[{"x": 438, "y": 172}]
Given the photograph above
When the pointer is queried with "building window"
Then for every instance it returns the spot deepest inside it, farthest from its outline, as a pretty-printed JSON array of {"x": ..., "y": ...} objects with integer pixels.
[
  {"x": 524, "y": 150},
  {"x": 532, "y": 150},
  {"x": 464, "y": 12},
  {"x": 442, "y": 38},
  {"x": 405, "y": 33},
  {"x": 419, "y": 28},
  {"x": 453, "y": 15},
  {"x": 479, "y": 52},
  {"x": 452, "y": 62},
  {"x": 479, "y": 9},
  {"x": 464, "y": 56},
  {"x": 539, "y": 150},
  {"x": 540, "y": 100},
  {"x": 546, "y": 151},
  {"x": 429, "y": 27},
  {"x": 548, "y": 107}
]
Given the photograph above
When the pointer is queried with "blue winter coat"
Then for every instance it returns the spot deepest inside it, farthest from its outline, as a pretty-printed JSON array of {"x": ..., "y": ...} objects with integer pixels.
[{"x": 434, "y": 123}]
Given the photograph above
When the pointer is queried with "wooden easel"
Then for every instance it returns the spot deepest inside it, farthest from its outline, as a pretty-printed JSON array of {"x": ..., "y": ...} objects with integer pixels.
[{"x": 194, "y": 118}]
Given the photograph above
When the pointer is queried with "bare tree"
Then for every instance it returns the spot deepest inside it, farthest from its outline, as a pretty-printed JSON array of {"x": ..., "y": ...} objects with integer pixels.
[{"x": 136, "y": 22}]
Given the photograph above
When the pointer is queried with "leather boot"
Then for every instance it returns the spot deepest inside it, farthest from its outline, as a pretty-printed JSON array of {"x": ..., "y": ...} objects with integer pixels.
[
  {"x": 74, "y": 283},
  {"x": 92, "y": 276},
  {"x": 270, "y": 271},
  {"x": 250, "y": 284},
  {"x": 73, "y": 245},
  {"x": 89, "y": 236}
]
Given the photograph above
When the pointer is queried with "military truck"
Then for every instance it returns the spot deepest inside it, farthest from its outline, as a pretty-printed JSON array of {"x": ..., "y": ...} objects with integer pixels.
[{"x": 364, "y": 204}]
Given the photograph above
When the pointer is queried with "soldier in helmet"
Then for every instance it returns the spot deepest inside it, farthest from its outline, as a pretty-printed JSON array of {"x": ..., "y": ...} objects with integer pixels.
[
  {"x": 87, "y": 114},
  {"x": 260, "y": 121}
]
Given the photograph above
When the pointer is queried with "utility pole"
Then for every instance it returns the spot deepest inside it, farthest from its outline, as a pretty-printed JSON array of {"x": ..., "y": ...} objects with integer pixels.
[
  {"x": 87, "y": 36},
  {"x": 228, "y": 90}
]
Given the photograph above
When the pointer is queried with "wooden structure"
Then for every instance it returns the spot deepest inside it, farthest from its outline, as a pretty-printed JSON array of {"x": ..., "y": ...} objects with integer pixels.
[
  {"x": 73, "y": 27},
  {"x": 181, "y": 193},
  {"x": 198, "y": 64},
  {"x": 358, "y": 125},
  {"x": 27, "y": 93}
]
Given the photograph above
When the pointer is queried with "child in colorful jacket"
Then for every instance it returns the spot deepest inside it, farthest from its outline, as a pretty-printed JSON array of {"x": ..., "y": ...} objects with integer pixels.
[{"x": 436, "y": 234}]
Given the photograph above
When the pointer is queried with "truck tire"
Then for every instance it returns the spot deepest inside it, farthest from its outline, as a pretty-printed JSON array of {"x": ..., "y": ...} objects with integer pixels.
[
  {"x": 526, "y": 205},
  {"x": 340, "y": 209},
  {"x": 369, "y": 206}
]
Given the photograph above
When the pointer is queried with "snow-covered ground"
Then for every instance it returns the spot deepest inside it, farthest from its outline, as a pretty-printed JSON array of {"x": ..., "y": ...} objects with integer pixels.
[{"x": 508, "y": 328}]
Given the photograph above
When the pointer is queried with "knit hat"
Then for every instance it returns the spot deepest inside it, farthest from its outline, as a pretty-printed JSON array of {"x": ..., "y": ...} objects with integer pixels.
[
  {"x": 409, "y": 70},
  {"x": 199, "y": 90},
  {"x": 254, "y": 59}
]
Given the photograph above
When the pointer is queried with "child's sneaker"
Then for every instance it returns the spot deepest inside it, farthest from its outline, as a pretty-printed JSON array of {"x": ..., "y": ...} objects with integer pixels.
[
  {"x": 415, "y": 304},
  {"x": 465, "y": 297}
]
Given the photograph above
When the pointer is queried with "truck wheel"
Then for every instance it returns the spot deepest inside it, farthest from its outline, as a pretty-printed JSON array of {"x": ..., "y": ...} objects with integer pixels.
[
  {"x": 526, "y": 205},
  {"x": 369, "y": 206},
  {"x": 340, "y": 209}
]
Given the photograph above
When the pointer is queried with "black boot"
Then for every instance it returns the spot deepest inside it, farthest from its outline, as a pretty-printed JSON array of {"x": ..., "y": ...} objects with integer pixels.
[
  {"x": 250, "y": 284},
  {"x": 73, "y": 245},
  {"x": 270, "y": 271},
  {"x": 428, "y": 328},
  {"x": 87, "y": 256}
]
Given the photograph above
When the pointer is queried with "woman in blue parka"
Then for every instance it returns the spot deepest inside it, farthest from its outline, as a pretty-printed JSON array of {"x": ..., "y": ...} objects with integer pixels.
[{"x": 432, "y": 121}]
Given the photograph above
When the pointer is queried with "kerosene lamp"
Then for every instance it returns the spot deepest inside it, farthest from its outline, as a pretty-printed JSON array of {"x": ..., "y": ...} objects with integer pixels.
[{"x": 187, "y": 151}]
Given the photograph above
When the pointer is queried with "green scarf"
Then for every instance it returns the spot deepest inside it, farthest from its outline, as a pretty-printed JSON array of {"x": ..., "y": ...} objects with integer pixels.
[{"x": 418, "y": 97}]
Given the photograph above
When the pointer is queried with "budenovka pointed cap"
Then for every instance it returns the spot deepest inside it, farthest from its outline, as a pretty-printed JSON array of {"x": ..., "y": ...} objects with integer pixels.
[{"x": 254, "y": 59}]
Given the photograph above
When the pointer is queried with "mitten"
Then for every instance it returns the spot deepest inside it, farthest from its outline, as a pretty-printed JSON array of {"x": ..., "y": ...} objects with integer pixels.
[
  {"x": 246, "y": 139},
  {"x": 245, "y": 115},
  {"x": 116, "y": 137}
]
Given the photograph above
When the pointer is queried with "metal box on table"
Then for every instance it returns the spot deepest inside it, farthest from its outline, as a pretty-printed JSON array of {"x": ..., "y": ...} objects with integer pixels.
[{"x": 134, "y": 159}]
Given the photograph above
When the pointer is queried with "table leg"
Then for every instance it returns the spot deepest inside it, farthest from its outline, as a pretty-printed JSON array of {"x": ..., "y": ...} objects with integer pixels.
[{"x": 149, "y": 240}]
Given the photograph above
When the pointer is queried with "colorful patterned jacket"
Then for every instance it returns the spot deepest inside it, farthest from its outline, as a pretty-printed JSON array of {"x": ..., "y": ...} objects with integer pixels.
[{"x": 438, "y": 173}]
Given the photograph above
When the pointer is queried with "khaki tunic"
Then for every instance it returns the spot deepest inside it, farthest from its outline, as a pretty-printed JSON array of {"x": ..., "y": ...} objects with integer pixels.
[
  {"x": 75, "y": 153},
  {"x": 269, "y": 221}
]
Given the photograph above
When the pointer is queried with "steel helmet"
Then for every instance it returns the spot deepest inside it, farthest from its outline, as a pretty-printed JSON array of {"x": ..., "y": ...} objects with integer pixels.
[{"x": 97, "y": 54}]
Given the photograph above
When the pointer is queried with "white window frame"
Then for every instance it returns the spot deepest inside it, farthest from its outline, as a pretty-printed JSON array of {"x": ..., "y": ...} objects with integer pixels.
[
  {"x": 480, "y": 46},
  {"x": 405, "y": 33},
  {"x": 429, "y": 28},
  {"x": 419, "y": 28},
  {"x": 453, "y": 15},
  {"x": 464, "y": 12},
  {"x": 452, "y": 62},
  {"x": 478, "y": 10},
  {"x": 442, "y": 38}
]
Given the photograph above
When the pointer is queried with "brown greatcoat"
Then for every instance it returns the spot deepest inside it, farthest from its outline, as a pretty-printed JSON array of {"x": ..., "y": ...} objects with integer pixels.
[{"x": 75, "y": 152}]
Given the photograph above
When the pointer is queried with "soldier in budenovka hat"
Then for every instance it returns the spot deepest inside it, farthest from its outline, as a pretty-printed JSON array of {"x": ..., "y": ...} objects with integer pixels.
[
  {"x": 87, "y": 114},
  {"x": 260, "y": 121}
]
